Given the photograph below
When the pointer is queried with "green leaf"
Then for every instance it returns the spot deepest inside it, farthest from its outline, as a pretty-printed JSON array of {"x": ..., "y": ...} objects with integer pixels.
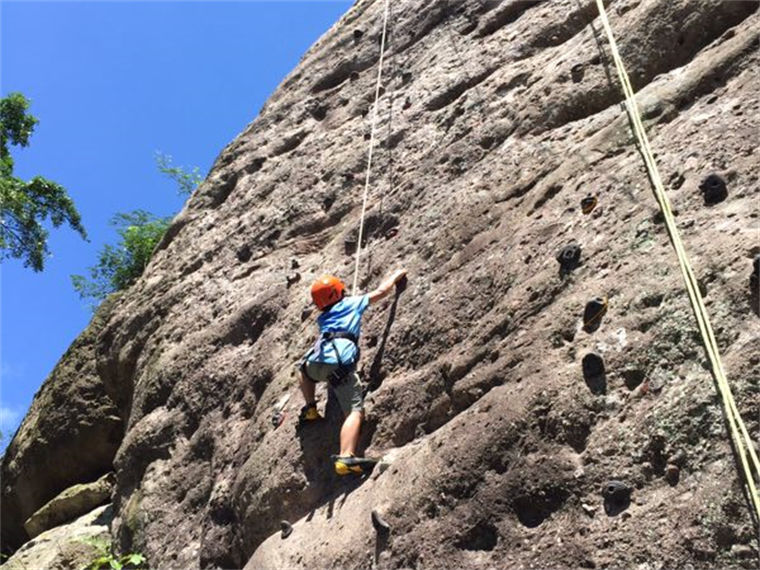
[
  {"x": 135, "y": 559},
  {"x": 115, "y": 564},
  {"x": 25, "y": 206}
]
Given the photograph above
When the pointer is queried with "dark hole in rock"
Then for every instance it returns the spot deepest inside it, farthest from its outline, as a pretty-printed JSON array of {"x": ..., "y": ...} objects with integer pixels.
[
  {"x": 358, "y": 34},
  {"x": 483, "y": 536},
  {"x": 286, "y": 529},
  {"x": 534, "y": 508},
  {"x": 255, "y": 165},
  {"x": 754, "y": 278},
  {"x": 593, "y": 313},
  {"x": 653, "y": 300},
  {"x": 372, "y": 341},
  {"x": 632, "y": 377},
  {"x": 713, "y": 189},
  {"x": 406, "y": 77},
  {"x": 576, "y": 72},
  {"x": 594, "y": 373},
  {"x": 354, "y": 76},
  {"x": 244, "y": 254},
  {"x": 319, "y": 112},
  {"x": 487, "y": 142}
]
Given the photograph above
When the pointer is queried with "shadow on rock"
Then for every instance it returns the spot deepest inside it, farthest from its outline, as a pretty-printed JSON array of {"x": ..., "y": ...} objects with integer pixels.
[{"x": 375, "y": 378}]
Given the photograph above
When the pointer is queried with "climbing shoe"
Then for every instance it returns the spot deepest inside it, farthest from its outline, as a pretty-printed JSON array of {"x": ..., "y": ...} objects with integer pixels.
[
  {"x": 309, "y": 413},
  {"x": 348, "y": 464}
]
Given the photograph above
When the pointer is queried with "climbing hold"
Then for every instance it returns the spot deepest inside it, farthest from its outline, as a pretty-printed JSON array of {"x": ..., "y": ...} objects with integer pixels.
[
  {"x": 594, "y": 373},
  {"x": 286, "y": 529},
  {"x": 569, "y": 258},
  {"x": 293, "y": 278},
  {"x": 381, "y": 526},
  {"x": 592, "y": 315},
  {"x": 294, "y": 263},
  {"x": 392, "y": 232},
  {"x": 713, "y": 189},
  {"x": 672, "y": 474},
  {"x": 278, "y": 413},
  {"x": 588, "y": 204},
  {"x": 617, "y": 497},
  {"x": 576, "y": 72}
]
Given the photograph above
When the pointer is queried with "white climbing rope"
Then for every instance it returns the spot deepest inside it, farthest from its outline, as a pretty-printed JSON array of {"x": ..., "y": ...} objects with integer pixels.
[
  {"x": 371, "y": 145},
  {"x": 742, "y": 441}
]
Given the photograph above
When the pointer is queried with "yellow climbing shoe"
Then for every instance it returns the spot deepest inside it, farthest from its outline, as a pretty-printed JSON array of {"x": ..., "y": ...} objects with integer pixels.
[
  {"x": 309, "y": 413},
  {"x": 348, "y": 464}
]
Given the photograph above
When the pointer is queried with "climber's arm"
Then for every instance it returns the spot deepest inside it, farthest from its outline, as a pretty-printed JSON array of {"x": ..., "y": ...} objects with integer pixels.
[{"x": 385, "y": 287}]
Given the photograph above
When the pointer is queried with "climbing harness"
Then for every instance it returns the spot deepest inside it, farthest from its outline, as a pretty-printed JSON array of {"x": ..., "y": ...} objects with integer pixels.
[
  {"x": 371, "y": 146},
  {"x": 739, "y": 434},
  {"x": 344, "y": 369}
]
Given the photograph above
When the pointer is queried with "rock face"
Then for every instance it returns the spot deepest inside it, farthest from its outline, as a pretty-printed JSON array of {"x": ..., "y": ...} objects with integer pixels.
[
  {"x": 69, "y": 505},
  {"x": 71, "y": 546},
  {"x": 496, "y": 120},
  {"x": 69, "y": 436}
]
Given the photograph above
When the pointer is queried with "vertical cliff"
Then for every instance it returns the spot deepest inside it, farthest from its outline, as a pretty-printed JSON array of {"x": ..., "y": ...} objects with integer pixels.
[{"x": 502, "y": 448}]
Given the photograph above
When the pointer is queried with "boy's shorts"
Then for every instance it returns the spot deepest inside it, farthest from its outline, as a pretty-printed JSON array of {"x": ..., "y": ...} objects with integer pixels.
[{"x": 350, "y": 392}]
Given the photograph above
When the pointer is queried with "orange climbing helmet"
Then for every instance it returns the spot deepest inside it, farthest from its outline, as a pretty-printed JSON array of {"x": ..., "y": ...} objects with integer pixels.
[{"x": 327, "y": 290}]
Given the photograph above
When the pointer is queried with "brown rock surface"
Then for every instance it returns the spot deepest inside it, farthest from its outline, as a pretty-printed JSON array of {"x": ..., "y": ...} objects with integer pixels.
[
  {"x": 497, "y": 118},
  {"x": 69, "y": 436},
  {"x": 72, "y": 546},
  {"x": 70, "y": 504}
]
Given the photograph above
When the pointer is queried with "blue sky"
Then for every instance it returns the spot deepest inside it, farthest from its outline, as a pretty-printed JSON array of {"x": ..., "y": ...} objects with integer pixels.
[{"x": 111, "y": 83}]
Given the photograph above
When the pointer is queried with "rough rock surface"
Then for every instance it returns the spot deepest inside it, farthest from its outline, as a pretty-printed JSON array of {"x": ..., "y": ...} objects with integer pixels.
[
  {"x": 70, "y": 504},
  {"x": 69, "y": 436},
  {"x": 70, "y": 546},
  {"x": 497, "y": 119}
]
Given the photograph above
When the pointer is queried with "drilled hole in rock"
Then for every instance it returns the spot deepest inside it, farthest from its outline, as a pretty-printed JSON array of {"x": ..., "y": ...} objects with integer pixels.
[
  {"x": 244, "y": 254},
  {"x": 533, "y": 509},
  {"x": 632, "y": 377},
  {"x": 483, "y": 536}
]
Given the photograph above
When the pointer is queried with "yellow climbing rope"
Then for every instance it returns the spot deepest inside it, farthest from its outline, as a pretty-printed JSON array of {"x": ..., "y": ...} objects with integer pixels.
[
  {"x": 371, "y": 146},
  {"x": 742, "y": 441}
]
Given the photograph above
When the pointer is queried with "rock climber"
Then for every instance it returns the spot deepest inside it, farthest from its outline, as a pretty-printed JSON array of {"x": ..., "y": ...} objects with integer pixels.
[{"x": 334, "y": 357}]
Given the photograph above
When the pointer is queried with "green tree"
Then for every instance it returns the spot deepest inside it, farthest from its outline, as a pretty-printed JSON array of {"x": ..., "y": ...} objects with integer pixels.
[
  {"x": 25, "y": 205},
  {"x": 187, "y": 180},
  {"x": 119, "y": 266}
]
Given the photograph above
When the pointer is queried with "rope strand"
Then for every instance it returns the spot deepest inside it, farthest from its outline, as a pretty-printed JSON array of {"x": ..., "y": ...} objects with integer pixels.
[
  {"x": 739, "y": 434},
  {"x": 371, "y": 146}
]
